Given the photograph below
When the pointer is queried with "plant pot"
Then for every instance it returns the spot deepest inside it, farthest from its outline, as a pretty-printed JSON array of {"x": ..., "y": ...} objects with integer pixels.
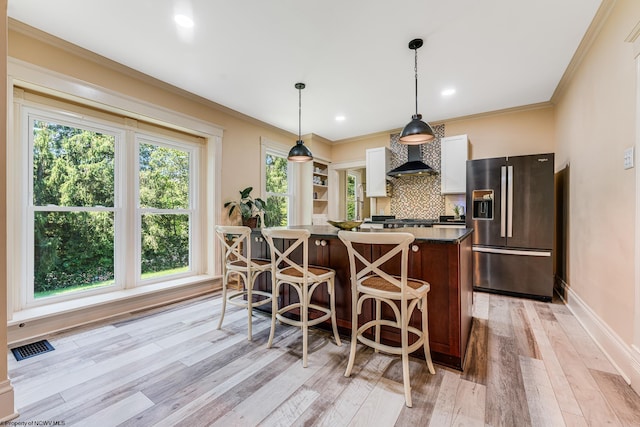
[{"x": 250, "y": 222}]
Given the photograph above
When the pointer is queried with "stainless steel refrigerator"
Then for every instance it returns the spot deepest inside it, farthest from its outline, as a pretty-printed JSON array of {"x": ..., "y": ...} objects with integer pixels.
[{"x": 510, "y": 206}]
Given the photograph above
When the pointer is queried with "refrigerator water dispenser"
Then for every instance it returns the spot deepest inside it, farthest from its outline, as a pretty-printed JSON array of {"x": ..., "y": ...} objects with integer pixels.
[{"x": 482, "y": 204}]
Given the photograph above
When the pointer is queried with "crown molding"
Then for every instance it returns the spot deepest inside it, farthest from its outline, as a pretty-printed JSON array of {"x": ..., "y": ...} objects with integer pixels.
[
  {"x": 511, "y": 110},
  {"x": 633, "y": 38},
  {"x": 583, "y": 48},
  {"x": 364, "y": 137}
]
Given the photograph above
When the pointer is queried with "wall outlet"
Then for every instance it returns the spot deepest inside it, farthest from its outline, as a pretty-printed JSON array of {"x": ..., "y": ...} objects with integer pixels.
[{"x": 628, "y": 158}]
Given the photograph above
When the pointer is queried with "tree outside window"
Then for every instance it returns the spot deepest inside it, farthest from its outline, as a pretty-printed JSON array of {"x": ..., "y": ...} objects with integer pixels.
[
  {"x": 74, "y": 213},
  {"x": 73, "y": 201},
  {"x": 164, "y": 203},
  {"x": 352, "y": 210},
  {"x": 277, "y": 189}
]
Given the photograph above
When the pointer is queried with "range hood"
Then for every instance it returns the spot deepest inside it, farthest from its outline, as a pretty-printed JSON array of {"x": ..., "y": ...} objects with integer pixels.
[{"x": 415, "y": 165}]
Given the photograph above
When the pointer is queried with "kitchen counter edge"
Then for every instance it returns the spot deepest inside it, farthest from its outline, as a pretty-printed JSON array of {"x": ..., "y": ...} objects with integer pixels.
[{"x": 427, "y": 234}]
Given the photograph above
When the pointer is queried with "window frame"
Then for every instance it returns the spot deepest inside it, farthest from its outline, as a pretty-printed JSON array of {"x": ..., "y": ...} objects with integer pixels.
[
  {"x": 191, "y": 210},
  {"x": 355, "y": 195},
  {"x": 30, "y": 113},
  {"x": 127, "y": 224},
  {"x": 280, "y": 150}
]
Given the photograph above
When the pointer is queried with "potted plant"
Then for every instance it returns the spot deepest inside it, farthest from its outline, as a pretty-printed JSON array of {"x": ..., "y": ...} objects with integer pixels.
[
  {"x": 248, "y": 206},
  {"x": 458, "y": 211}
]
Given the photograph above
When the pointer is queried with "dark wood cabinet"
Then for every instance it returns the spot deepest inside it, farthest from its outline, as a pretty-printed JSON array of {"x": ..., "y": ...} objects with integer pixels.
[
  {"x": 443, "y": 265},
  {"x": 260, "y": 249},
  {"x": 447, "y": 268},
  {"x": 332, "y": 253}
]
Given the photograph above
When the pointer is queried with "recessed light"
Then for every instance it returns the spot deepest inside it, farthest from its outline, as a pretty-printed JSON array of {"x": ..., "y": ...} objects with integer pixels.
[
  {"x": 340, "y": 118},
  {"x": 183, "y": 21},
  {"x": 448, "y": 92}
]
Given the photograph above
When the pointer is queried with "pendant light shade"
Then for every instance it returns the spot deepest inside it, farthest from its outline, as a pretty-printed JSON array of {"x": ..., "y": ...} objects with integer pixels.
[
  {"x": 299, "y": 152},
  {"x": 416, "y": 131}
]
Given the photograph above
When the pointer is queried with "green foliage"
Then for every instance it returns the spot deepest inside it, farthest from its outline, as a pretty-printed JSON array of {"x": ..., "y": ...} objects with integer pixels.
[
  {"x": 277, "y": 207},
  {"x": 164, "y": 184},
  {"x": 165, "y": 242},
  {"x": 351, "y": 197},
  {"x": 74, "y": 167},
  {"x": 248, "y": 206},
  {"x": 276, "y": 211},
  {"x": 164, "y": 177}
]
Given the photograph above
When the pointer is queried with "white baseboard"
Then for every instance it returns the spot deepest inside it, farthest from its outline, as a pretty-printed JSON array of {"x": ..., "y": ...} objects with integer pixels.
[
  {"x": 620, "y": 354},
  {"x": 635, "y": 368},
  {"x": 7, "y": 407}
]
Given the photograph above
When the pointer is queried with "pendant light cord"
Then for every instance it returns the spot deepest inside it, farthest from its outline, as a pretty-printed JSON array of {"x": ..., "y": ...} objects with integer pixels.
[
  {"x": 300, "y": 114},
  {"x": 415, "y": 69}
]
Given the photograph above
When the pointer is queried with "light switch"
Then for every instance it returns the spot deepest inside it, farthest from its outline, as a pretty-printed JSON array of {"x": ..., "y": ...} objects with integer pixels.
[{"x": 628, "y": 158}]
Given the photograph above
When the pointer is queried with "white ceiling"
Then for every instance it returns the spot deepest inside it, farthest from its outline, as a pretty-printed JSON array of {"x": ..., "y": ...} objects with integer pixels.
[{"x": 353, "y": 55}]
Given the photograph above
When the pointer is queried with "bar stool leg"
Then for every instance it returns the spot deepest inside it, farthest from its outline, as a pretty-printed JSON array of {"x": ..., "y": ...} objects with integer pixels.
[
  {"x": 274, "y": 310},
  {"x": 225, "y": 280},
  {"x": 304, "y": 313},
  {"x": 378, "y": 326},
  {"x": 250, "y": 279},
  {"x": 425, "y": 335},
  {"x": 354, "y": 333},
  {"x": 332, "y": 300},
  {"x": 405, "y": 355}
]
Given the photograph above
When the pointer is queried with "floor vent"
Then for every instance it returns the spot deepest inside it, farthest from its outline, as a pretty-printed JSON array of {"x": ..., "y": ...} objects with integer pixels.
[{"x": 30, "y": 350}]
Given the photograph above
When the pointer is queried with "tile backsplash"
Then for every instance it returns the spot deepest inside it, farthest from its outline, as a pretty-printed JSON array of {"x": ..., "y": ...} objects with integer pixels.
[{"x": 417, "y": 196}]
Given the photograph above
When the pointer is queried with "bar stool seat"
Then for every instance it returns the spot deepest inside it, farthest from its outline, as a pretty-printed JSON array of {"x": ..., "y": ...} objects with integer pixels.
[
  {"x": 304, "y": 279},
  {"x": 400, "y": 293},
  {"x": 236, "y": 241}
]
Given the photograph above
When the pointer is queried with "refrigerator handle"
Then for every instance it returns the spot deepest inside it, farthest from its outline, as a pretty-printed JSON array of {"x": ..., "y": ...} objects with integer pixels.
[
  {"x": 510, "y": 201},
  {"x": 503, "y": 200}
]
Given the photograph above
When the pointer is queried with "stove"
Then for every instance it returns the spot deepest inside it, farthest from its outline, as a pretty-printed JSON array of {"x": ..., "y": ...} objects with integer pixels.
[
  {"x": 408, "y": 222},
  {"x": 390, "y": 221}
]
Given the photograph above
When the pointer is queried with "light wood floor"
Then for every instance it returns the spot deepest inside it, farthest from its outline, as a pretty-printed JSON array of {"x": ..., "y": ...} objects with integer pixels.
[{"x": 529, "y": 363}]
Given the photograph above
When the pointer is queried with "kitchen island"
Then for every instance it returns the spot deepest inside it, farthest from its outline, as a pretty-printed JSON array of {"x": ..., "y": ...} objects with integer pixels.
[{"x": 441, "y": 256}]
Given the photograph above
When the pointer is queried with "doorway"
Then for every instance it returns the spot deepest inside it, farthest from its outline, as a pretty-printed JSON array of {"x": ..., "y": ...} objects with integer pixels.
[{"x": 347, "y": 194}]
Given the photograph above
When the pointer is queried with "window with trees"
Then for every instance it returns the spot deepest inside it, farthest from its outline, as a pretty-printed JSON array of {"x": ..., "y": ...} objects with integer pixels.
[
  {"x": 278, "y": 189},
  {"x": 164, "y": 208},
  {"x": 73, "y": 210},
  {"x": 78, "y": 220},
  {"x": 352, "y": 202}
]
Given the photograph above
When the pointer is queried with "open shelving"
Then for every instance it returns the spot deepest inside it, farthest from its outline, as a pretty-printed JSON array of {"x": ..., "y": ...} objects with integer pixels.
[{"x": 320, "y": 187}]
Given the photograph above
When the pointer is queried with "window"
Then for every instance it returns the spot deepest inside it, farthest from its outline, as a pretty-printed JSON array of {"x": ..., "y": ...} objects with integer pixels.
[
  {"x": 165, "y": 212},
  {"x": 80, "y": 228},
  {"x": 277, "y": 189},
  {"x": 72, "y": 208},
  {"x": 352, "y": 205}
]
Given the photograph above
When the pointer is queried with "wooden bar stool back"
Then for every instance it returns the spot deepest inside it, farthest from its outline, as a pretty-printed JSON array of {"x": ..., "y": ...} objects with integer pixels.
[
  {"x": 400, "y": 293},
  {"x": 305, "y": 279},
  {"x": 236, "y": 242}
]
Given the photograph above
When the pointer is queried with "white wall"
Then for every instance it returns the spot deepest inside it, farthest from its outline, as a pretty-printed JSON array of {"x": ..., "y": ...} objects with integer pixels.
[{"x": 595, "y": 123}]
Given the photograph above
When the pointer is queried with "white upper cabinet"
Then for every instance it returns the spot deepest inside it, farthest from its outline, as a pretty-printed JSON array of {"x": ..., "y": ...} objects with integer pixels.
[
  {"x": 454, "y": 152},
  {"x": 378, "y": 163}
]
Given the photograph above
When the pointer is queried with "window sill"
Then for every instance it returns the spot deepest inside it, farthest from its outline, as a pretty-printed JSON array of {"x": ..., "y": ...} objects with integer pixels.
[{"x": 38, "y": 321}]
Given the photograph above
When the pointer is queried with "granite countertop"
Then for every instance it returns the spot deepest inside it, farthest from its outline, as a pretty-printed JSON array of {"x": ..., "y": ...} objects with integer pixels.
[{"x": 425, "y": 234}]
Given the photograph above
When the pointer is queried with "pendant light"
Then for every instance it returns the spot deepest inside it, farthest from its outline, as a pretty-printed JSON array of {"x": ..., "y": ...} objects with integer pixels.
[
  {"x": 416, "y": 132},
  {"x": 299, "y": 152}
]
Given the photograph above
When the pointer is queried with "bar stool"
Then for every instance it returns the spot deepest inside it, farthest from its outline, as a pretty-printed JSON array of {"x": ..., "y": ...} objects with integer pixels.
[
  {"x": 400, "y": 293},
  {"x": 235, "y": 240},
  {"x": 305, "y": 279}
]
